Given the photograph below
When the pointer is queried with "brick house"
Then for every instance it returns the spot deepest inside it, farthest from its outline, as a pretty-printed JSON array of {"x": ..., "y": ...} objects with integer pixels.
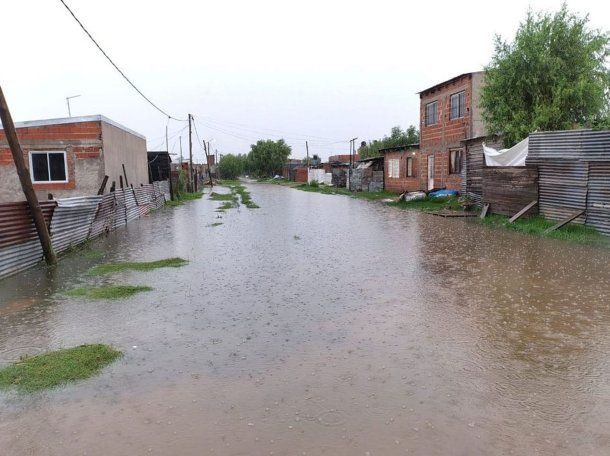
[
  {"x": 70, "y": 157},
  {"x": 449, "y": 114},
  {"x": 401, "y": 168}
]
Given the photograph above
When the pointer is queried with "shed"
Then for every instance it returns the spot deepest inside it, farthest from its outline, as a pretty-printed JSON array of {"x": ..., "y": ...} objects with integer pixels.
[
  {"x": 159, "y": 165},
  {"x": 368, "y": 175},
  {"x": 574, "y": 175}
]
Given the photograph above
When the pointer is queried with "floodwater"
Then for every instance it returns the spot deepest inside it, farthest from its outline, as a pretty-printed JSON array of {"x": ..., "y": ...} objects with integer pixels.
[{"x": 317, "y": 325}]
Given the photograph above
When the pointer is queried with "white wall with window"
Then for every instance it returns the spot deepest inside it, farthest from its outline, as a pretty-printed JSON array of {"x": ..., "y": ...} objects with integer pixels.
[
  {"x": 48, "y": 166},
  {"x": 394, "y": 168}
]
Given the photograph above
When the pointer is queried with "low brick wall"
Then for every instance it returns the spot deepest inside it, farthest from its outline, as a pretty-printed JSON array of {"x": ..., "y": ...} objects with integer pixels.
[{"x": 510, "y": 189}]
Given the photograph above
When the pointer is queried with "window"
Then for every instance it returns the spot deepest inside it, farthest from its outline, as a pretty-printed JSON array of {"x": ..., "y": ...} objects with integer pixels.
[
  {"x": 409, "y": 166},
  {"x": 455, "y": 161},
  {"x": 48, "y": 167},
  {"x": 431, "y": 113},
  {"x": 393, "y": 168},
  {"x": 458, "y": 102}
]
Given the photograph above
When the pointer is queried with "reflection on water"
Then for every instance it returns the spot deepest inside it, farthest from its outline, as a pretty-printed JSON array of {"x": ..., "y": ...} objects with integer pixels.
[{"x": 321, "y": 325}]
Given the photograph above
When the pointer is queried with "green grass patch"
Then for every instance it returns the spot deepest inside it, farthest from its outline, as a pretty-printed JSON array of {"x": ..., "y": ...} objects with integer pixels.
[
  {"x": 181, "y": 198},
  {"x": 330, "y": 190},
  {"x": 430, "y": 204},
  {"x": 56, "y": 368},
  {"x": 232, "y": 200},
  {"x": 107, "y": 291},
  {"x": 222, "y": 196},
  {"x": 537, "y": 226},
  {"x": 175, "y": 262},
  {"x": 214, "y": 224}
]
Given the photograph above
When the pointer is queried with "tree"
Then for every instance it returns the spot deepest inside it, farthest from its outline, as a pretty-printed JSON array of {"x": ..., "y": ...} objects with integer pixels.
[
  {"x": 553, "y": 76},
  {"x": 231, "y": 166},
  {"x": 398, "y": 137},
  {"x": 267, "y": 157}
]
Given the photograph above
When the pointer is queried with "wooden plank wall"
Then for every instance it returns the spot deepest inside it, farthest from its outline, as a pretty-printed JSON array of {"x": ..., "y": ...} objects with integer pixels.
[{"x": 510, "y": 189}]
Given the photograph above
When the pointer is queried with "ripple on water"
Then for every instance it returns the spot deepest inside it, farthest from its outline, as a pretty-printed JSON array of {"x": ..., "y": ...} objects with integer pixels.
[
  {"x": 331, "y": 418},
  {"x": 16, "y": 353}
]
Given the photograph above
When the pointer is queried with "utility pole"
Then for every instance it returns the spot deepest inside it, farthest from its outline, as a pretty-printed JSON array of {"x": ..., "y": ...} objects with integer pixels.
[
  {"x": 190, "y": 155},
  {"x": 171, "y": 185},
  {"x": 307, "y": 148},
  {"x": 26, "y": 181},
  {"x": 352, "y": 147}
]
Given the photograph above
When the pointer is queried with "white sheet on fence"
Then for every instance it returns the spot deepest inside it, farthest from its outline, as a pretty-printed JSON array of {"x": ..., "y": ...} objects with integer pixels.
[
  {"x": 320, "y": 176},
  {"x": 515, "y": 156}
]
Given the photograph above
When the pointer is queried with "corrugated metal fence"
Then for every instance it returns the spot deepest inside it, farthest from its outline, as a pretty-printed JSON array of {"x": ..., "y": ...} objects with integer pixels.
[
  {"x": 574, "y": 174},
  {"x": 72, "y": 221}
]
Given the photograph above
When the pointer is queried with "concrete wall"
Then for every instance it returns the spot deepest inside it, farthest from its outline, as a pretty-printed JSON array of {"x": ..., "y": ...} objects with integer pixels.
[
  {"x": 82, "y": 143},
  {"x": 478, "y": 126},
  {"x": 122, "y": 147}
]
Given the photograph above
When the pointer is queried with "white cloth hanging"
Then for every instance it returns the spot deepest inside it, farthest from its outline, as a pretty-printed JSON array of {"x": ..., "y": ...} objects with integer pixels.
[{"x": 515, "y": 156}]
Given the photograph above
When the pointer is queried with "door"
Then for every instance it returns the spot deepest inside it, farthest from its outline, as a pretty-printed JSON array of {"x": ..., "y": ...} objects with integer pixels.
[{"x": 430, "y": 172}]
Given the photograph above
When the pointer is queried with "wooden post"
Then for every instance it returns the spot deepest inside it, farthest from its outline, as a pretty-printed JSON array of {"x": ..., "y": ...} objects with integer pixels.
[
  {"x": 103, "y": 186},
  {"x": 190, "y": 156},
  {"x": 26, "y": 181},
  {"x": 125, "y": 174},
  {"x": 121, "y": 181}
]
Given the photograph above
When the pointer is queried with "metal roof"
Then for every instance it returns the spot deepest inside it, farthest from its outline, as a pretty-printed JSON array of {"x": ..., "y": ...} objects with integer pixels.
[
  {"x": 70, "y": 120},
  {"x": 448, "y": 81}
]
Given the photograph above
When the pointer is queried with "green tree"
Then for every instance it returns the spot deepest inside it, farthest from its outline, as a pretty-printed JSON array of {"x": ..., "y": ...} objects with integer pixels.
[
  {"x": 267, "y": 157},
  {"x": 231, "y": 166},
  {"x": 553, "y": 76},
  {"x": 398, "y": 137}
]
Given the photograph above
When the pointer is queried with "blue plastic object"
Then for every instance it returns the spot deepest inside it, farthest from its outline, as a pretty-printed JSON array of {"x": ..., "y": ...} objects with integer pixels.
[{"x": 443, "y": 193}]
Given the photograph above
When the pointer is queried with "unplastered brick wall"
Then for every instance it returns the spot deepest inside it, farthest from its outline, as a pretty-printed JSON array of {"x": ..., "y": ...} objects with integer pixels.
[
  {"x": 446, "y": 134},
  {"x": 81, "y": 141}
]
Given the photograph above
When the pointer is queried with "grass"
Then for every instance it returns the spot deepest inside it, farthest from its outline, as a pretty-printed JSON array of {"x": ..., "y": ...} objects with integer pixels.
[
  {"x": 537, "y": 225},
  {"x": 56, "y": 368},
  {"x": 214, "y": 224},
  {"x": 107, "y": 291},
  {"x": 232, "y": 200},
  {"x": 181, "y": 198},
  {"x": 175, "y": 262},
  {"x": 329, "y": 190},
  {"x": 430, "y": 204}
]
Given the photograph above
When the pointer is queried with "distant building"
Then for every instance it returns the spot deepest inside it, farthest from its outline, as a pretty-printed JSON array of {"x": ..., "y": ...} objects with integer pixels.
[
  {"x": 70, "y": 157},
  {"x": 449, "y": 114},
  {"x": 159, "y": 165}
]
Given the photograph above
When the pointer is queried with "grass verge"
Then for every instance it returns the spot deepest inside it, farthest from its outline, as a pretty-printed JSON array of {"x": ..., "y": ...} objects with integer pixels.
[
  {"x": 181, "y": 198},
  {"x": 537, "y": 225},
  {"x": 214, "y": 224},
  {"x": 107, "y": 291},
  {"x": 429, "y": 204},
  {"x": 330, "y": 190},
  {"x": 175, "y": 262},
  {"x": 56, "y": 368},
  {"x": 232, "y": 200}
]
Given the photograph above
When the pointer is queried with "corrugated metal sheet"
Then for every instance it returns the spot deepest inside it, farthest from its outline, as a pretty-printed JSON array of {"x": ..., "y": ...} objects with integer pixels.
[
  {"x": 104, "y": 218},
  {"x": 72, "y": 220},
  {"x": 598, "y": 200}
]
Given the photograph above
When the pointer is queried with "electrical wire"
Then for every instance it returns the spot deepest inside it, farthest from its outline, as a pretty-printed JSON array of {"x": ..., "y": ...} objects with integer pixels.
[{"x": 117, "y": 68}]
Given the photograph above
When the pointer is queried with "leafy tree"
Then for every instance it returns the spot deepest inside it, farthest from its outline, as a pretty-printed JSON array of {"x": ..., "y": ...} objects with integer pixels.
[
  {"x": 231, "y": 166},
  {"x": 398, "y": 137},
  {"x": 267, "y": 157},
  {"x": 553, "y": 76}
]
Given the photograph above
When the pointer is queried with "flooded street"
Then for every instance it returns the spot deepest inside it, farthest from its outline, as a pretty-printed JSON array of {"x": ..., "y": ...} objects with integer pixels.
[{"x": 316, "y": 325}]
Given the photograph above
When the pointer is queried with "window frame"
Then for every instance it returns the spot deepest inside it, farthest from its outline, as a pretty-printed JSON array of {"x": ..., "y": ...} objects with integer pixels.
[
  {"x": 451, "y": 161},
  {"x": 47, "y": 152},
  {"x": 394, "y": 165},
  {"x": 427, "y": 122},
  {"x": 412, "y": 172},
  {"x": 461, "y": 113}
]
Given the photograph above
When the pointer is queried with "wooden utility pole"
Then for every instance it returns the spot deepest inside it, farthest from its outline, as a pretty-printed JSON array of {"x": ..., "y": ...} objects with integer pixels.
[
  {"x": 26, "y": 181},
  {"x": 190, "y": 156},
  {"x": 307, "y": 148}
]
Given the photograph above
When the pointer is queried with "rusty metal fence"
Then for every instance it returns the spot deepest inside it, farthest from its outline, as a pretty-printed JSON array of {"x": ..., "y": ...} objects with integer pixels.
[{"x": 71, "y": 221}]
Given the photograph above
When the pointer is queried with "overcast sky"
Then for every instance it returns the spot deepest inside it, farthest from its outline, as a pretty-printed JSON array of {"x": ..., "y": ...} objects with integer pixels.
[{"x": 325, "y": 71}]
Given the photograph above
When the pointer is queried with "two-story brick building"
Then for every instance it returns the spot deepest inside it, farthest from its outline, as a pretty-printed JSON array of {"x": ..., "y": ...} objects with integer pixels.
[
  {"x": 449, "y": 114},
  {"x": 70, "y": 157}
]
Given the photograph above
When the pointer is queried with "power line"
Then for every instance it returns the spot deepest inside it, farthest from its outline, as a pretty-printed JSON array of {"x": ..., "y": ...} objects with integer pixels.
[{"x": 117, "y": 68}]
